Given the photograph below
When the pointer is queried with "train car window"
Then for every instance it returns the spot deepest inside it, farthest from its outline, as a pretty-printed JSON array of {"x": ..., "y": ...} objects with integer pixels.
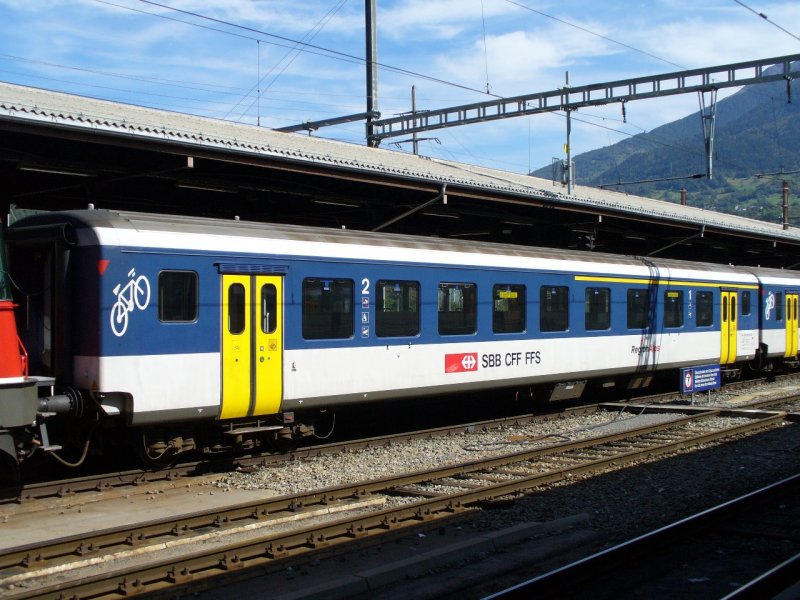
[
  {"x": 177, "y": 296},
  {"x": 705, "y": 309},
  {"x": 779, "y": 306},
  {"x": 458, "y": 314},
  {"x": 397, "y": 308},
  {"x": 638, "y": 308},
  {"x": 269, "y": 308},
  {"x": 236, "y": 309},
  {"x": 508, "y": 310},
  {"x": 597, "y": 309},
  {"x": 553, "y": 308},
  {"x": 745, "y": 303},
  {"x": 327, "y": 308},
  {"x": 673, "y": 308}
]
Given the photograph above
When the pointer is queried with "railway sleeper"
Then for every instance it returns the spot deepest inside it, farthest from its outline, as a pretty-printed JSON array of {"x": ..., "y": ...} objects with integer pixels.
[
  {"x": 230, "y": 564},
  {"x": 464, "y": 484},
  {"x": 391, "y": 523},
  {"x": 412, "y": 491},
  {"x": 514, "y": 472},
  {"x": 491, "y": 478},
  {"x": 315, "y": 543},
  {"x": 178, "y": 577},
  {"x": 356, "y": 531},
  {"x": 276, "y": 552}
]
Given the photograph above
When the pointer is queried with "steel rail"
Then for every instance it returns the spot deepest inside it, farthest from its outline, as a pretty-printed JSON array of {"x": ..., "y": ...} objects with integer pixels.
[
  {"x": 559, "y": 581},
  {"x": 80, "y": 546},
  {"x": 202, "y": 564},
  {"x": 771, "y": 583},
  {"x": 139, "y": 477}
]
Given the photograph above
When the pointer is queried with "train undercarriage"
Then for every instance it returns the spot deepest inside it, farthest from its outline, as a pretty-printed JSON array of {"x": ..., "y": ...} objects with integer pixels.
[{"x": 66, "y": 426}]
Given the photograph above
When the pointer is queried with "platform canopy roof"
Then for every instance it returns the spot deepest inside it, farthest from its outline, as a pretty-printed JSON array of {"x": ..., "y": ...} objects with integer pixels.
[{"x": 64, "y": 151}]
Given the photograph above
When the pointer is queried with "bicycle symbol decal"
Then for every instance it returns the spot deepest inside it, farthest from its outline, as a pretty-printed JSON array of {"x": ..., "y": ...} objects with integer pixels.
[
  {"x": 135, "y": 294},
  {"x": 769, "y": 305}
]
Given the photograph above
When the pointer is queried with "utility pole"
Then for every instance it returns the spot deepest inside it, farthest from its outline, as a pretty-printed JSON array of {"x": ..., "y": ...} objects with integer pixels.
[
  {"x": 785, "y": 204},
  {"x": 568, "y": 146},
  {"x": 414, "y": 142},
  {"x": 370, "y": 13}
]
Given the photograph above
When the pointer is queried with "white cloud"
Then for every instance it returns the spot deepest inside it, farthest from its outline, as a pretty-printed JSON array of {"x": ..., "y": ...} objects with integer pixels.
[
  {"x": 429, "y": 20},
  {"x": 70, "y": 44}
]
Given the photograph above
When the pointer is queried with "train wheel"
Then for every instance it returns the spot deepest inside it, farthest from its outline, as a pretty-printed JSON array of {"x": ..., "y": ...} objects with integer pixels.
[
  {"x": 284, "y": 440},
  {"x": 154, "y": 451}
]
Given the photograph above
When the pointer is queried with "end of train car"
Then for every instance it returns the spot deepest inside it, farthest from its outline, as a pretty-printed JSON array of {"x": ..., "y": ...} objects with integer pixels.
[{"x": 18, "y": 391}]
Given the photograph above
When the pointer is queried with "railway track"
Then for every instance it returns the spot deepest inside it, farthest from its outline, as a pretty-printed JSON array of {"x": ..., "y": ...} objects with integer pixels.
[
  {"x": 646, "y": 566},
  {"x": 125, "y": 481},
  {"x": 413, "y": 499},
  {"x": 131, "y": 480}
]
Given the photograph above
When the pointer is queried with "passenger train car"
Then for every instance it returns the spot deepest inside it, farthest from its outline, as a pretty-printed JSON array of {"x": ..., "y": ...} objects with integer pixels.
[{"x": 209, "y": 334}]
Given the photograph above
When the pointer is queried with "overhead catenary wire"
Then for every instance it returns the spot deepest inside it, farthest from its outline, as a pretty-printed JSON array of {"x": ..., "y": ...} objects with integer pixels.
[
  {"x": 594, "y": 33},
  {"x": 767, "y": 19},
  {"x": 330, "y": 53},
  {"x": 325, "y": 52},
  {"x": 485, "y": 50},
  {"x": 289, "y": 58}
]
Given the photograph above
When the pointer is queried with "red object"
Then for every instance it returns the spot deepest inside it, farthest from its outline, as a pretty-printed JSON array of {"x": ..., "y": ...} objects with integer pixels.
[
  {"x": 458, "y": 363},
  {"x": 13, "y": 357}
]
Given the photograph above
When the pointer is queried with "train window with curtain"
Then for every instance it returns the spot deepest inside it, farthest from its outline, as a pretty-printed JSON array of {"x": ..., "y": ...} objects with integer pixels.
[
  {"x": 508, "y": 310},
  {"x": 597, "y": 309},
  {"x": 237, "y": 317},
  {"x": 397, "y": 308},
  {"x": 673, "y": 308},
  {"x": 638, "y": 308},
  {"x": 177, "y": 296},
  {"x": 458, "y": 308},
  {"x": 327, "y": 308},
  {"x": 705, "y": 309},
  {"x": 745, "y": 303},
  {"x": 553, "y": 308}
]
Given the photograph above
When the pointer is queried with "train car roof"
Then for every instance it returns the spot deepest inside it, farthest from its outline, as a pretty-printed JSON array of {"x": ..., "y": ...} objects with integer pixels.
[
  {"x": 149, "y": 230},
  {"x": 777, "y": 277}
]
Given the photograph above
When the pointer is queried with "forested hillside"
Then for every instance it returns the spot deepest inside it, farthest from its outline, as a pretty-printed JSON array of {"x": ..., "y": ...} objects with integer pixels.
[{"x": 757, "y": 132}]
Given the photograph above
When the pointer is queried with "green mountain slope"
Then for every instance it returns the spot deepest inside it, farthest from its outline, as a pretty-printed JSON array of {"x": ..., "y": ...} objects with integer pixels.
[{"x": 757, "y": 132}]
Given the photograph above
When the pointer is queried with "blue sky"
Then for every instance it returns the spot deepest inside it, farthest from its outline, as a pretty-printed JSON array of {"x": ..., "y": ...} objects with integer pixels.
[{"x": 225, "y": 61}]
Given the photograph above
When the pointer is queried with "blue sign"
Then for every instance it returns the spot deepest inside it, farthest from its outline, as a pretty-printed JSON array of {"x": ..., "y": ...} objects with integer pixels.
[{"x": 700, "y": 379}]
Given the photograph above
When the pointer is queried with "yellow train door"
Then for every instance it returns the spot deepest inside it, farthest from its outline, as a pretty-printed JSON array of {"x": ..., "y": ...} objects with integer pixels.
[
  {"x": 268, "y": 347},
  {"x": 252, "y": 345},
  {"x": 729, "y": 321},
  {"x": 791, "y": 325}
]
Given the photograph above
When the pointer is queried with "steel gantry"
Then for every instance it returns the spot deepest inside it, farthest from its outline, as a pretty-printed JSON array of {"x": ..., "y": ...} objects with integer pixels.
[{"x": 597, "y": 94}]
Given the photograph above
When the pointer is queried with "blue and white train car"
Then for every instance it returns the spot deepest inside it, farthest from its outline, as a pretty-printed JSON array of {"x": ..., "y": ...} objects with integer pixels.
[
  {"x": 780, "y": 291},
  {"x": 247, "y": 329}
]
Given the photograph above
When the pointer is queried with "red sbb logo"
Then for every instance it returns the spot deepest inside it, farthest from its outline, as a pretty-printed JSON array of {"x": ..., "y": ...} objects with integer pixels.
[{"x": 459, "y": 363}]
